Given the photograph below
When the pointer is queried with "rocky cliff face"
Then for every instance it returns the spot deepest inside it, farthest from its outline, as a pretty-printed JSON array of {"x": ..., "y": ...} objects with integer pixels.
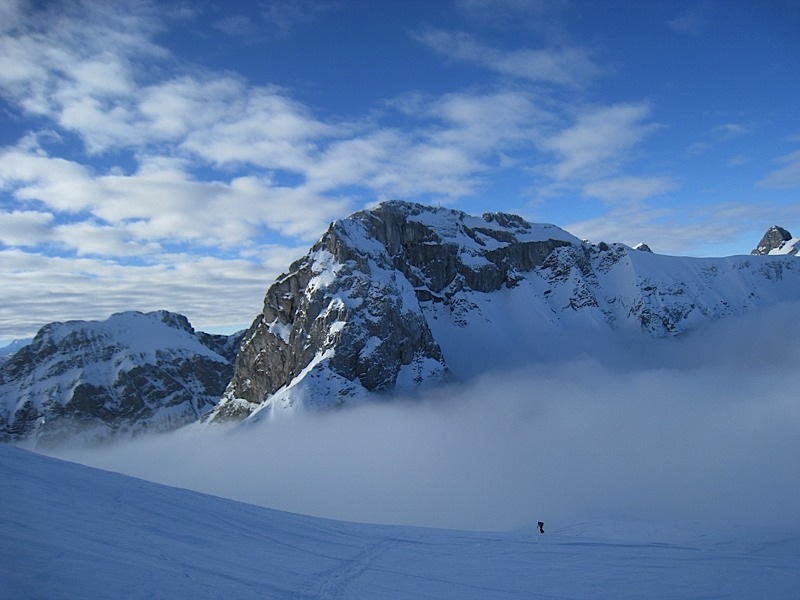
[
  {"x": 406, "y": 295},
  {"x": 132, "y": 373}
]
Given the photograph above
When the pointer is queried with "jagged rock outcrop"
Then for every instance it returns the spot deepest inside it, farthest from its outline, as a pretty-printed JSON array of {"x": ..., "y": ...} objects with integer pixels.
[
  {"x": 134, "y": 372},
  {"x": 777, "y": 240},
  {"x": 404, "y": 295}
]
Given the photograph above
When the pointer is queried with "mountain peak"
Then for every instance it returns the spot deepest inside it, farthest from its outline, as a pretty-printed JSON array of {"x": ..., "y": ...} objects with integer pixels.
[
  {"x": 777, "y": 240},
  {"x": 347, "y": 319},
  {"x": 405, "y": 295}
]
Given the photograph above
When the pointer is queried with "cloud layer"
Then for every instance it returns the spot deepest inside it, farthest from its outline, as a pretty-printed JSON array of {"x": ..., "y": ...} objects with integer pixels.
[{"x": 698, "y": 430}]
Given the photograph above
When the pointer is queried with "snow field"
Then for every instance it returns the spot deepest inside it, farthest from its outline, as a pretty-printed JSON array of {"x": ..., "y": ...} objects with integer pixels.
[{"x": 69, "y": 531}]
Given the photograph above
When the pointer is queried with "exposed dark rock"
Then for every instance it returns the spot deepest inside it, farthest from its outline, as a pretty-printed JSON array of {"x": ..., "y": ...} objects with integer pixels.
[{"x": 773, "y": 239}]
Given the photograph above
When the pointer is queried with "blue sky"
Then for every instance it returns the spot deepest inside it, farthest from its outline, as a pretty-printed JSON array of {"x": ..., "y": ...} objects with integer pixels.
[{"x": 180, "y": 155}]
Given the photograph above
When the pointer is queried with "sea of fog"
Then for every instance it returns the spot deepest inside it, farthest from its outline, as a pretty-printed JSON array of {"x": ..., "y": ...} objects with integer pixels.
[{"x": 701, "y": 429}]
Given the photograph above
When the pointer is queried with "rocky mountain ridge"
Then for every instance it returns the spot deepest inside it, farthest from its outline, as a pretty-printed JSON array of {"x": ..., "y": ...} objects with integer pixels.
[
  {"x": 389, "y": 300},
  {"x": 132, "y": 373},
  {"x": 404, "y": 295}
]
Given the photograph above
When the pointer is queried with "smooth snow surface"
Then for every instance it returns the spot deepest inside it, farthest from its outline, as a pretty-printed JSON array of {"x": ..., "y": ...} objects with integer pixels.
[
  {"x": 69, "y": 531},
  {"x": 788, "y": 247}
]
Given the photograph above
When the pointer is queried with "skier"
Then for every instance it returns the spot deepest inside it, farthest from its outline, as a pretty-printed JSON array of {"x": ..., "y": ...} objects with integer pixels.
[{"x": 541, "y": 526}]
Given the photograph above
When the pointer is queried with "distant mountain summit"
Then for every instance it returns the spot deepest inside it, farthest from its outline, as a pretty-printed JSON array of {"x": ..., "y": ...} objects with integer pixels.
[
  {"x": 13, "y": 347},
  {"x": 131, "y": 373},
  {"x": 777, "y": 240},
  {"x": 405, "y": 295}
]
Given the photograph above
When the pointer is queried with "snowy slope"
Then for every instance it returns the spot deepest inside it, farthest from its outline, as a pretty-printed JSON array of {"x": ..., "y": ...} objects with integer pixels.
[
  {"x": 790, "y": 246},
  {"x": 621, "y": 298},
  {"x": 68, "y": 531}
]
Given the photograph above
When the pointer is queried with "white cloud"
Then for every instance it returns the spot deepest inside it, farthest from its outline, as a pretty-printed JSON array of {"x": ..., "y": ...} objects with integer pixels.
[
  {"x": 273, "y": 20},
  {"x": 693, "y": 20},
  {"x": 354, "y": 160},
  {"x": 635, "y": 223},
  {"x": 175, "y": 107},
  {"x": 160, "y": 204},
  {"x": 543, "y": 17},
  {"x": 241, "y": 27},
  {"x": 94, "y": 91},
  {"x": 445, "y": 146},
  {"x": 286, "y": 15},
  {"x": 785, "y": 177},
  {"x": 61, "y": 184},
  {"x": 101, "y": 127},
  {"x": 57, "y": 56},
  {"x": 428, "y": 168},
  {"x": 600, "y": 141},
  {"x": 718, "y": 135},
  {"x": 263, "y": 128},
  {"x": 628, "y": 189},
  {"x": 89, "y": 238},
  {"x": 25, "y": 227},
  {"x": 698, "y": 148},
  {"x": 739, "y": 160},
  {"x": 218, "y": 118},
  {"x": 295, "y": 212},
  {"x": 102, "y": 76},
  {"x": 39, "y": 289},
  {"x": 566, "y": 65},
  {"x": 490, "y": 121},
  {"x": 391, "y": 163},
  {"x": 11, "y": 13},
  {"x": 729, "y": 131}
]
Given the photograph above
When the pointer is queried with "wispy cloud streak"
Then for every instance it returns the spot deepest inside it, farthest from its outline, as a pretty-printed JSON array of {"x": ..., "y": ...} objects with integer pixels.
[{"x": 570, "y": 66}]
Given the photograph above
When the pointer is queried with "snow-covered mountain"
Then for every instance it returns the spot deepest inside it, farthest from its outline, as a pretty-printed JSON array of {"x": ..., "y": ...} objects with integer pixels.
[
  {"x": 69, "y": 531},
  {"x": 405, "y": 295},
  {"x": 777, "y": 240},
  {"x": 9, "y": 349},
  {"x": 389, "y": 300},
  {"x": 131, "y": 373}
]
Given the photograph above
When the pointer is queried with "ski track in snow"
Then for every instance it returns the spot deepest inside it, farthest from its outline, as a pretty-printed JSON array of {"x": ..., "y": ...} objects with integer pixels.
[{"x": 69, "y": 531}]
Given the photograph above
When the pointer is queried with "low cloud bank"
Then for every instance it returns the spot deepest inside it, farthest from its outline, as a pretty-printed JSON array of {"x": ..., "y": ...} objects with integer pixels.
[{"x": 703, "y": 429}]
